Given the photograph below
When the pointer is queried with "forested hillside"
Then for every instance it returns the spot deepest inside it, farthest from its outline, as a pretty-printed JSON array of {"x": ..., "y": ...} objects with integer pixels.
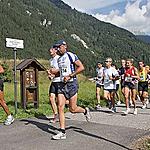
[{"x": 40, "y": 23}]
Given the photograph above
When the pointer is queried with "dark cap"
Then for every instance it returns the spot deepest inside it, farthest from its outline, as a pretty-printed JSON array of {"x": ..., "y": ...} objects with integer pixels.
[
  {"x": 59, "y": 43},
  {"x": 54, "y": 47},
  {"x": 99, "y": 62}
]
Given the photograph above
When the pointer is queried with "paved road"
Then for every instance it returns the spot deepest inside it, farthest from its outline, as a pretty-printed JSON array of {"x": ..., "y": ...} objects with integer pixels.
[{"x": 106, "y": 131}]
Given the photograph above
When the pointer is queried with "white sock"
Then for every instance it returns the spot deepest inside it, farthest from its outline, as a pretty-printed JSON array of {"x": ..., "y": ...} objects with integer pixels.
[{"x": 9, "y": 116}]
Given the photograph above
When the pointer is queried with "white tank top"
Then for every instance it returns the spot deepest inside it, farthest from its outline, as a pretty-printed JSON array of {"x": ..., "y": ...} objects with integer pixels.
[{"x": 54, "y": 64}]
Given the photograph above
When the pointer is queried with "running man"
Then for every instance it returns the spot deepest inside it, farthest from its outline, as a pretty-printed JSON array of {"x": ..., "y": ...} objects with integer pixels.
[
  {"x": 69, "y": 67},
  {"x": 148, "y": 75},
  {"x": 143, "y": 84},
  {"x": 99, "y": 83},
  {"x": 53, "y": 89},
  {"x": 121, "y": 73},
  {"x": 10, "y": 118},
  {"x": 131, "y": 77},
  {"x": 117, "y": 86},
  {"x": 110, "y": 77}
]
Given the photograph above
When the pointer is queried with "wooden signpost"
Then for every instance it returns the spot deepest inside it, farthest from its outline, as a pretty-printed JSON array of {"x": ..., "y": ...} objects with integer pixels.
[{"x": 15, "y": 44}]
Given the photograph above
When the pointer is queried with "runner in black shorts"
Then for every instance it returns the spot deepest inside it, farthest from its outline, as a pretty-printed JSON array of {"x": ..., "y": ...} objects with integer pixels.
[
  {"x": 99, "y": 83},
  {"x": 69, "y": 67},
  {"x": 121, "y": 73},
  {"x": 131, "y": 75},
  {"x": 53, "y": 89},
  {"x": 143, "y": 84},
  {"x": 117, "y": 95}
]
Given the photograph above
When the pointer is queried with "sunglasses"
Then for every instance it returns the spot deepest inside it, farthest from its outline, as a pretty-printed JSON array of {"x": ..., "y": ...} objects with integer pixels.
[{"x": 107, "y": 61}]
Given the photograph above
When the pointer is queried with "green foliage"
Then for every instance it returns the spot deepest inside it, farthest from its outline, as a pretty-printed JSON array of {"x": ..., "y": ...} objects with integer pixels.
[
  {"x": 8, "y": 76},
  {"x": 23, "y": 19}
]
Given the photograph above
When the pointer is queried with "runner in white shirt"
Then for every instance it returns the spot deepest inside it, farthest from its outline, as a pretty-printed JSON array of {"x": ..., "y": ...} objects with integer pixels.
[
  {"x": 69, "y": 67},
  {"x": 99, "y": 83},
  {"x": 110, "y": 77},
  {"x": 53, "y": 89},
  {"x": 66, "y": 65},
  {"x": 117, "y": 95}
]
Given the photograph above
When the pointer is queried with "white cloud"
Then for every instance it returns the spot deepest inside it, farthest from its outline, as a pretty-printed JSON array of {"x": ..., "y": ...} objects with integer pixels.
[
  {"x": 135, "y": 18},
  {"x": 85, "y": 5}
]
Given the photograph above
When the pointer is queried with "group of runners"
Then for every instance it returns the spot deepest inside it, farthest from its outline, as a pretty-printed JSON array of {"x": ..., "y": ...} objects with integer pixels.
[
  {"x": 64, "y": 67},
  {"x": 134, "y": 84},
  {"x": 64, "y": 86},
  {"x": 63, "y": 89}
]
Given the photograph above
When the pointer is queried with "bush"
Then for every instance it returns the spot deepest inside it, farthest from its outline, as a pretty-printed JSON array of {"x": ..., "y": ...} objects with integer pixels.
[{"x": 8, "y": 76}]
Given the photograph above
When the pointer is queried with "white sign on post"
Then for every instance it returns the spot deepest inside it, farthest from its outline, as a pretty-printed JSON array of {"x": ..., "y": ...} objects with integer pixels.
[{"x": 14, "y": 43}]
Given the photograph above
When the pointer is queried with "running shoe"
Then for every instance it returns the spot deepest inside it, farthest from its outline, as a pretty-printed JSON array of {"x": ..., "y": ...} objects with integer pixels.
[
  {"x": 87, "y": 114},
  {"x": 98, "y": 107},
  {"x": 127, "y": 111},
  {"x": 109, "y": 104},
  {"x": 113, "y": 110},
  {"x": 119, "y": 102},
  {"x": 130, "y": 103},
  {"x": 144, "y": 106},
  {"x": 135, "y": 111},
  {"x": 55, "y": 119},
  {"x": 10, "y": 119},
  {"x": 59, "y": 136},
  {"x": 147, "y": 101}
]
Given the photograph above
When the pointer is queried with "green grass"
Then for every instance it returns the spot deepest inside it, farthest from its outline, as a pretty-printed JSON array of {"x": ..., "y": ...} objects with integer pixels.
[
  {"x": 86, "y": 97},
  {"x": 44, "y": 107}
]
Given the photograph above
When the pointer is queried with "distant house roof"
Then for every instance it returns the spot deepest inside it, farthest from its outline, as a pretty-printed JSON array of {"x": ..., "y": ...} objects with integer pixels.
[{"x": 30, "y": 62}]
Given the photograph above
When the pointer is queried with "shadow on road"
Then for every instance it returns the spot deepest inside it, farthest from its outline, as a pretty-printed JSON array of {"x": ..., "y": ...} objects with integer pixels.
[
  {"x": 43, "y": 117},
  {"x": 43, "y": 126},
  {"x": 47, "y": 127},
  {"x": 102, "y": 138}
]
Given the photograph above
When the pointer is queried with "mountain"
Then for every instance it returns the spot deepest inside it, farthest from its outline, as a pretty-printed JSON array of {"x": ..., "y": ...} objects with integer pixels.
[
  {"x": 40, "y": 23},
  {"x": 144, "y": 38}
]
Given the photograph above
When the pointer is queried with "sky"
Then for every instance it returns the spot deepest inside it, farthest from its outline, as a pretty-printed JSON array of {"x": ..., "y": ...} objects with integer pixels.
[{"x": 133, "y": 15}]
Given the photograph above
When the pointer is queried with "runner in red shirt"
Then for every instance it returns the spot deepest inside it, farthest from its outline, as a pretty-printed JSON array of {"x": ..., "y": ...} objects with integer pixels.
[{"x": 131, "y": 76}]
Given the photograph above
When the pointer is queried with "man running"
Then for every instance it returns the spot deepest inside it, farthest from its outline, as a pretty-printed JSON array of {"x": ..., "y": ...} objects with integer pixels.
[
  {"x": 99, "y": 83},
  {"x": 121, "y": 73},
  {"x": 69, "y": 67},
  {"x": 53, "y": 90},
  {"x": 148, "y": 75},
  {"x": 110, "y": 77},
  {"x": 143, "y": 84},
  {"x": 131, "y": 76},
  {"x": 117, "y": 86}
]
